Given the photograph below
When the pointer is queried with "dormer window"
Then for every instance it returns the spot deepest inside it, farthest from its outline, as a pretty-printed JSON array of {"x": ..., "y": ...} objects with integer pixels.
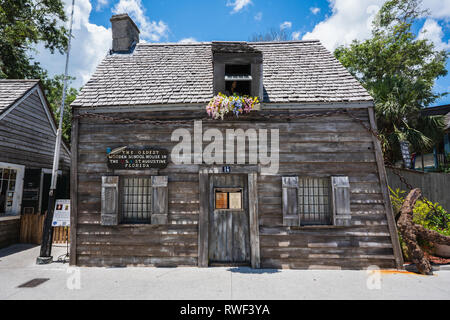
[
  {"x": 238, "y": 79},
  {"x": 237, "y": 69}
]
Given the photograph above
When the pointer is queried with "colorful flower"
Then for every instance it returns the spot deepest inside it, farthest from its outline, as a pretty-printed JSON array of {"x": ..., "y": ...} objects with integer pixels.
[{"x": 221, "y": 104}]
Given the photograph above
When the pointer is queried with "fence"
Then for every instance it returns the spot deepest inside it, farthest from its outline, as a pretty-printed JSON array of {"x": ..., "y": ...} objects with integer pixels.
[
  {"x": 434, "y": 186},
  {"x": 31, "y": 226}
]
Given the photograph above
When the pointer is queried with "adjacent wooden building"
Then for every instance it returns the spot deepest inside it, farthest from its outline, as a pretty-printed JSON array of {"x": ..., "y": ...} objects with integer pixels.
[
  {"x": 27, "y": 142},
  {"x": 323, "y": 203}
]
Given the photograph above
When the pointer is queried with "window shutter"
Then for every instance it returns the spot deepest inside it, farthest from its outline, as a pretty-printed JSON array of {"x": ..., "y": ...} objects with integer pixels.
[
  {"x": 341, "y": 201},
  {"x": 110, "y": 201},
  {"x": 257, "y": 82},
  {"x": 290, "y": 201},
  {"x": 160, "y": 201},
  {"x": 219, "y": 78}
]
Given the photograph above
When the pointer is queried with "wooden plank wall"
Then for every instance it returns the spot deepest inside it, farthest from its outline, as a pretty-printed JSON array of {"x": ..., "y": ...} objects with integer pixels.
[
  {"x": 435, "y": 186},
  {"x": 26, "y": 137},
  {"x": 9, "y": 231},
  {"x": 317, "y": 147}
]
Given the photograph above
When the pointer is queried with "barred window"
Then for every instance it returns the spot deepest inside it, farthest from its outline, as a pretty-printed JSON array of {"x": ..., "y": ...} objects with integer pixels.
[
  {"x": 136, "y": 199},
  {"x": 314, "y": 201}
]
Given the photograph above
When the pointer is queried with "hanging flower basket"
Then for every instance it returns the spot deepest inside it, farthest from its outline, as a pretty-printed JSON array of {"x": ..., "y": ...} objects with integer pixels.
[{"x": 221, "y": 104}]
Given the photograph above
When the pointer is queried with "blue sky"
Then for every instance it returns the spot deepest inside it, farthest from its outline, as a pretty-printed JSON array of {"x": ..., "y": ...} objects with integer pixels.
[{"x": 334, "y": 22}]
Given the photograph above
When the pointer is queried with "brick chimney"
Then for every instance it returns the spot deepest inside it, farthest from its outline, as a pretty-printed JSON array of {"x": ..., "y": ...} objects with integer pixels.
[{"x": 125, "y": 33}]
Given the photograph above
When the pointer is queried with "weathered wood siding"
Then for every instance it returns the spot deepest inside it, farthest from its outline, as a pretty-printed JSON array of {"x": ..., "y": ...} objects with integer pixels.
[
  {"x": 27, "y": 138},
  {"x": 317, "y": 147},
  {"x": 9, "y": 231}
]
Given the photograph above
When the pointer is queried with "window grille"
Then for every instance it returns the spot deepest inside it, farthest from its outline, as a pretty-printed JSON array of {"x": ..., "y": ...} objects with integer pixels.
[
  {"x": 136, "y": 199},
  {"x": 314, "y": 204}
]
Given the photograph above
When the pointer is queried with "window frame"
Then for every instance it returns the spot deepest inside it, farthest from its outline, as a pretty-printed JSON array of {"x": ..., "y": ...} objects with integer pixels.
[
  {"x": 293, "y": 214},
  {"x": 228, "y": 191},
  {"x": 255, "y": 60},
  {"x": 127, "y": 221},
  {"x": 300, "y": 204}
]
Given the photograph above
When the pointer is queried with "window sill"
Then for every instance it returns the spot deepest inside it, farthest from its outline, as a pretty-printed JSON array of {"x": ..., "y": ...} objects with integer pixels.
[
  {"x": 134, "y": 225},
  {"x": 8, "y": 218},
  {"x": 329, "y": 226},
  {"x": 219, "y": 211}
]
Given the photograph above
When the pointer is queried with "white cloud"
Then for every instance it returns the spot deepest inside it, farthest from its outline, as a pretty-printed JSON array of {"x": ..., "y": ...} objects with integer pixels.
[
  {"x": 258, "y": 16},
  {"x": 439, "y": 9},
  {"x": 101, "y": 4},
  {"x": 238, "y": 5},
  {"x": 150, "y": 30},
  {"x": 90, "y": 44},
  {"x": 314, "y": 10},
  {"x": 350, "y": 19},
  {"x": 432, "y": 31},
  {"x": 188, "y": 40},
  {"x": 296, "y": 35},
  {"x": 286, "y": 25}
]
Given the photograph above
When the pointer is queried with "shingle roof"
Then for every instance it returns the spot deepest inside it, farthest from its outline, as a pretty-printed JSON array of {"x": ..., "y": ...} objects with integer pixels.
[
  {"x": 294, "y": 71},
  {"x": 13, "y": 90}
]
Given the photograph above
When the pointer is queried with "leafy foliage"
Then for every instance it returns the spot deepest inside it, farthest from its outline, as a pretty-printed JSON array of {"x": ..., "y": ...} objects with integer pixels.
[
  {"x": 437, "y": 219},
  {"x": 23, "y": 24},
  {"x": 53, "y": 92},
  {"x": 423, "y": 214},
  {"x": 399, "y": 71}
]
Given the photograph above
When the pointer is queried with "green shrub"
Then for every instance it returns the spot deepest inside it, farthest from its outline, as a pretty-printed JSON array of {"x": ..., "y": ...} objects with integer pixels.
[
  {"x": 423, "y": 214},
  {"x": 438, "y": 220}
]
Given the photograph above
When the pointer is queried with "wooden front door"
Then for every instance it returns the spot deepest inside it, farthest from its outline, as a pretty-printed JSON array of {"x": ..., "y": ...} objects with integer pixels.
[{"x": 229, "y": 219}]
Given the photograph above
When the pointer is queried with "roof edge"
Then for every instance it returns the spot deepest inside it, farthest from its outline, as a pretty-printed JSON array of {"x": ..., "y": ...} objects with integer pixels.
[{"x": 230, "y": 42}]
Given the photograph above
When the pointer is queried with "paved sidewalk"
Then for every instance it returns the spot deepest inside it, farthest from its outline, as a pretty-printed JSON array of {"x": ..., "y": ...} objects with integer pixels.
[{"x": 17, "y": 266}]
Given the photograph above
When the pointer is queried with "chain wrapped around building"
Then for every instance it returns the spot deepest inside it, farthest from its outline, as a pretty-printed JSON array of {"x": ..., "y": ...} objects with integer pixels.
[{"x": 227, "y": 153}]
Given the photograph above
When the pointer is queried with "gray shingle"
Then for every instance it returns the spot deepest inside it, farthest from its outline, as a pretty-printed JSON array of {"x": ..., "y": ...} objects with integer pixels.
[
  {"x": 294, "y": 71},
  {"x": 13, "y": 90}
]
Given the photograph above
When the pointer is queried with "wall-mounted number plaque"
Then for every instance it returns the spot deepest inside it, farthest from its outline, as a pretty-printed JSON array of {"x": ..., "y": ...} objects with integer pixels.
[{"x": 137, "y": 158}]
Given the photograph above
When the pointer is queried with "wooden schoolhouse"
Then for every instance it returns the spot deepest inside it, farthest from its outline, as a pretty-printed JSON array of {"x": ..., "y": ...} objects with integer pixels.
[{"x": 314, "y": 195}]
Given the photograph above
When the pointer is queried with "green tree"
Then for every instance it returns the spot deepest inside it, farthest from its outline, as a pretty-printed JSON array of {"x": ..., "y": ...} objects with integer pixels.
[
  {"x": 399, "y": 70},
  {"x": 23, "y": 24},
  {"x": 53, "y": 91},
  {"x": 270, "y": 36}
]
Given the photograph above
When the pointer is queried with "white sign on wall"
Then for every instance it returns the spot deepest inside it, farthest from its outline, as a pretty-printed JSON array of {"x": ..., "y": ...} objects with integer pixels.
[{"x": 61, "y": 216}]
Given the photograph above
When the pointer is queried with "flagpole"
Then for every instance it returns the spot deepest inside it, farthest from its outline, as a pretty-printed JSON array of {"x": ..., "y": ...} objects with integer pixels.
[{"x": 45, "y": 256}]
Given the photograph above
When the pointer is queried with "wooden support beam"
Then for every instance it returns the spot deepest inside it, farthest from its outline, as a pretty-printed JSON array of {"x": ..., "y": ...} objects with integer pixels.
[
  {"x": 74, "y": 193},
  {"x": 203, "y": 219},
  {"x": 386, "y": 198},
  {"x": 254, "y": 221}
]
